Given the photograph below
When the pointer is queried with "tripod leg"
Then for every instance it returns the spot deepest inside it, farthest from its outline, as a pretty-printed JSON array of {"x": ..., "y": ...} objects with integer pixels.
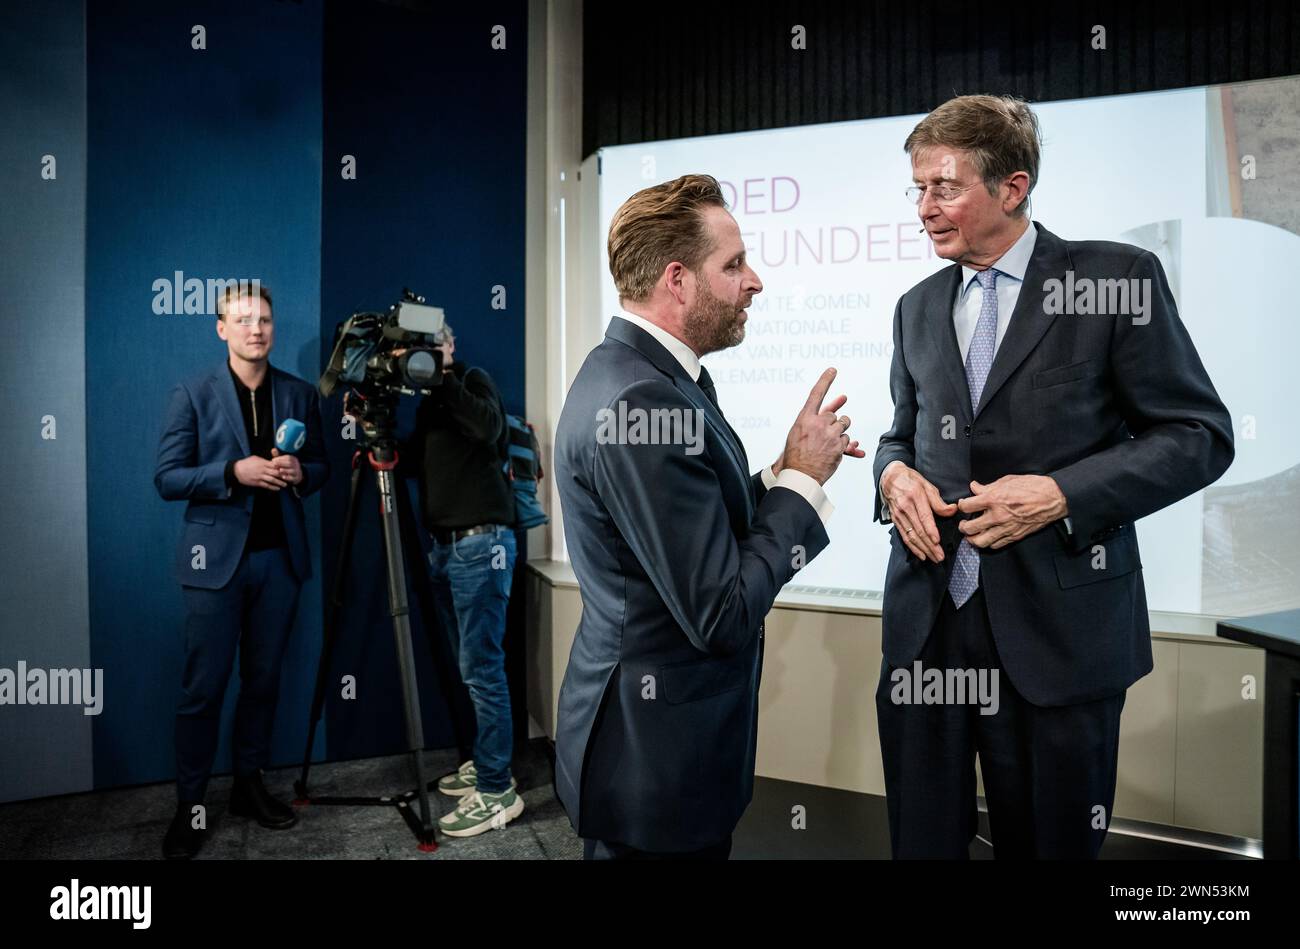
[
  {"x": 400, "y": 611},
  {"x": 331, "y": 621}
]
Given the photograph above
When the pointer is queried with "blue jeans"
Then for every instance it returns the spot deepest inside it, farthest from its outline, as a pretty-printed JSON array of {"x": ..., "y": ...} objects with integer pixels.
[{"x": 471, "y": 588}]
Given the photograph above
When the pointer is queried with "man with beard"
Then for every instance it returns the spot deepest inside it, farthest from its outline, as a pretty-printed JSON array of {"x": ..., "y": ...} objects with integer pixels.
[{"x": 678, "y": 550}]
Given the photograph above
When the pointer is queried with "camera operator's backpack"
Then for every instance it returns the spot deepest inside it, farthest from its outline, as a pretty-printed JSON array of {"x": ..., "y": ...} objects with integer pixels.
[{"x": 522, "y": 466}]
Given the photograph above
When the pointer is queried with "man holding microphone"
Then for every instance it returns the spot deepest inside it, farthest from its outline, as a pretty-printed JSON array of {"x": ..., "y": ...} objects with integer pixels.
[{"x": 242, "y": 556}]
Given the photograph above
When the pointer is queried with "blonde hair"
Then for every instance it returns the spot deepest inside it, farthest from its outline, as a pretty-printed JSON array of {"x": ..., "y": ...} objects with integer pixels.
[
  {"x": 1000, "y": 133},
  {"x": 657, "y": 226},
  {"x": 238, "y": 289}
]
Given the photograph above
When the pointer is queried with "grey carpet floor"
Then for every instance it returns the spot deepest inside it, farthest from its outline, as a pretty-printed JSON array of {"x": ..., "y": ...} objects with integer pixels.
[{"x": 129, "y": 823}]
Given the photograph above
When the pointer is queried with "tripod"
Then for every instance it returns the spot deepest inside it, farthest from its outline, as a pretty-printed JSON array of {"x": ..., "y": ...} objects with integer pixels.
[{"x": 378, "y": 447}]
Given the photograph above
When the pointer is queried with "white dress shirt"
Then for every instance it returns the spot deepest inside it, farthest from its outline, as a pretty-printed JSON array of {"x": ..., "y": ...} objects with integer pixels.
[{"x": 801, "y": 484}]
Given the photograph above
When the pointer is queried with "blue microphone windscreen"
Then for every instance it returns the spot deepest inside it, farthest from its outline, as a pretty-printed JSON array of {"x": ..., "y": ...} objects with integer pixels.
[{"x": 290, "y": 436}]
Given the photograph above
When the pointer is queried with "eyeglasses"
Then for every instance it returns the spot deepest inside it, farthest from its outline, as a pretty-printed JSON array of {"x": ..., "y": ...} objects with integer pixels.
[{"x": 944, "y": 194}]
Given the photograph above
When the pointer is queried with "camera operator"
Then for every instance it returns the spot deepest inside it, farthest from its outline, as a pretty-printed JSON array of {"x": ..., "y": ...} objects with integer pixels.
[{"x": 467, "y": 505}]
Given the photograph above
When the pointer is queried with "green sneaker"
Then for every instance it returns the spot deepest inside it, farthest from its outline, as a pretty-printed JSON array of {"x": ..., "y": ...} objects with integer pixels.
[
  {"x": 478, "y": 812},
  {"x": 462, "y": 781}
]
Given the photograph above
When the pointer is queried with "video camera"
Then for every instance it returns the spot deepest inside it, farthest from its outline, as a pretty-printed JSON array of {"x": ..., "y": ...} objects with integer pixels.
[{"x": 394, "y": 352}]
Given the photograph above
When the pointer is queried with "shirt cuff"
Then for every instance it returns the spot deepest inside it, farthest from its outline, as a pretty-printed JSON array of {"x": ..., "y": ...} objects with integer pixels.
[
  {"x": 806, "y": 487},
  {"x": 769, "y": 479}
]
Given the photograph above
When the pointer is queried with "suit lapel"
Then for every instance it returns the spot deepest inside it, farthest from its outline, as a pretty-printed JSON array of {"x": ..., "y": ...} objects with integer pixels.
[
  {"x": 224, "y": 388},
  {"x": 710, "y": 412},
  {"x": 1029, "y": 320},
  {"x": 714, "y": 414},
  {"x": 937, "y": 308},
  {"x": 735, "y": 440},
  {"x": 652, "y": 349}
]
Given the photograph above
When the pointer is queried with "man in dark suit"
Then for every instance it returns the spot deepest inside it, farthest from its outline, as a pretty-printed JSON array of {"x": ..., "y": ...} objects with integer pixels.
[
  {"x": 242, "y": 556},
  {"x": 1028, "y": 436},
  {"x": 678, "y": 551}
]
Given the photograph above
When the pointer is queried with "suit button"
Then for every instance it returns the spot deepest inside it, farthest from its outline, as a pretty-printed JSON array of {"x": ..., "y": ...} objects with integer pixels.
[{"x": 966, "y": 431}]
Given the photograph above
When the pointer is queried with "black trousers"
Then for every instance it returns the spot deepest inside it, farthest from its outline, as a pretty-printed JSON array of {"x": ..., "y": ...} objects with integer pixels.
[
  {"x": 606, "y": 850},
  {"x": 1049, "y": 773}
]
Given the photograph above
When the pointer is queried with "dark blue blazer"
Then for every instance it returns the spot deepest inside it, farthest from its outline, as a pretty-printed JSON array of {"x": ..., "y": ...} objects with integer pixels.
[
  {"x": 202, "y": 430},
  {"x": 678, "y": 558},
  {"x": 1122, "y": 415}
]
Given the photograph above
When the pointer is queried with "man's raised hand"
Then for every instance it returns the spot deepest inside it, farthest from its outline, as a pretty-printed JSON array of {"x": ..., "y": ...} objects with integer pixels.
[{"x": 817, "y": 440}]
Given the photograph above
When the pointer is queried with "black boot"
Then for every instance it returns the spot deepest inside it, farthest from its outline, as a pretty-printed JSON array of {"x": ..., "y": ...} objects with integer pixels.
[
  {"x": 249, "y": 798},
  {"x": 182, "y": 841}
]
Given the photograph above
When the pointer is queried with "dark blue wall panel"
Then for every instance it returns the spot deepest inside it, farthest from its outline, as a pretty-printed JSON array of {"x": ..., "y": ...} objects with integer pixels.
[
  {"x": 224, "y": 162},
  {"x": 206, "y": 162},
  {"x": 436, "y": 120}
]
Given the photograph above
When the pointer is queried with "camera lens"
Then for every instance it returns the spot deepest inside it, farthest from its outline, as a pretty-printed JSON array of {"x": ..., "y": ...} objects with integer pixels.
[{"x": 421, "y": 367}]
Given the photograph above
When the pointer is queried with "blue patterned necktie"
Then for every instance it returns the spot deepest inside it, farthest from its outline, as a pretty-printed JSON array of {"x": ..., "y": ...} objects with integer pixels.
[{"x": 979, "y": 360}]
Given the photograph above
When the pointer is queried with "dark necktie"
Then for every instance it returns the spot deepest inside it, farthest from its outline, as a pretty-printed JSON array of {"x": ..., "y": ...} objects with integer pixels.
[{"x": 705, "y": 382}]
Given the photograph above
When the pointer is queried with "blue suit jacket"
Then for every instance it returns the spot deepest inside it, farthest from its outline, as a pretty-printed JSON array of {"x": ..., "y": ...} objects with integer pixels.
[
  {"x": 678, "y": 557},
  {"x": 202, "y": 430},
  {"x": 1122, "y": 415}
]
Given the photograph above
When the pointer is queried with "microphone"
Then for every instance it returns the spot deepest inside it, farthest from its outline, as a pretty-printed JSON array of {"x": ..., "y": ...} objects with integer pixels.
[{"x": 290, "y": 436}]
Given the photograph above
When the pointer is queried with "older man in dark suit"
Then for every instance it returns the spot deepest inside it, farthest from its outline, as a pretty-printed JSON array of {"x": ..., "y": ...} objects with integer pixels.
[{"x": 1027, "y": 438}]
